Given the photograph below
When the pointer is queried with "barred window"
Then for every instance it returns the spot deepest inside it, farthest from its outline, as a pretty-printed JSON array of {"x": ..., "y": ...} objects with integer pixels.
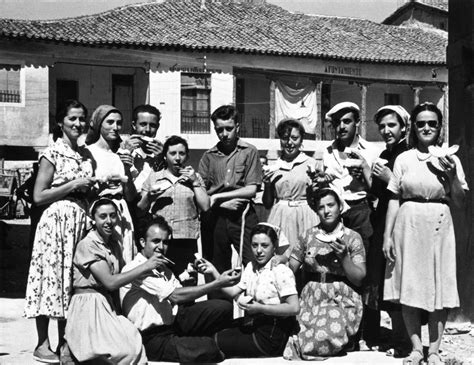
[
  {"x": 195, "y": 103},
  {"x": 10, "y": 85}
]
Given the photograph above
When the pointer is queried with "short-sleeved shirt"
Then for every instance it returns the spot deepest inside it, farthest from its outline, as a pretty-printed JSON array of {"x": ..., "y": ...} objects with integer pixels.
[
  {"x": 68, "y": 164},
  {"x": 317, "y": 256},
  {"x": 222, "y": 172},
  {"x": 89, "y": 250},
  {"x": 294, "y": 178},
  {"x": 333, "y": 160},
  {"x": 413, "y": 177},
  {"x": 145, "y": 300},
  {"x": 268, "y": 285},
  {"x": 176, "y": 204}
]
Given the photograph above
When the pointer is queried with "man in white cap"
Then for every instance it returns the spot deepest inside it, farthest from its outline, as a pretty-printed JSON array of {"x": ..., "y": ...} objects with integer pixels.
[{"x": 347, "y": 163}]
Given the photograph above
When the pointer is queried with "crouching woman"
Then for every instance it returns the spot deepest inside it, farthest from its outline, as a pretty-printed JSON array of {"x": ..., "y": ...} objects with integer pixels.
[
  {"x": 94, "y": 330},
  {"x": 269, "y": 298}
]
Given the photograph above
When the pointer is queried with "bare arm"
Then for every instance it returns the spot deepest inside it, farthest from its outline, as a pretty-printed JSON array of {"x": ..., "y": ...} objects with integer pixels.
[
  {"x": 388, "y": 248},
  {"x": 289, "y": 307},
  {"x": 111, "y": 282},
  {"x": 190, "y": 293},
  {"x": 43, "y": 193},
  {"x": 202, "y": 199}
]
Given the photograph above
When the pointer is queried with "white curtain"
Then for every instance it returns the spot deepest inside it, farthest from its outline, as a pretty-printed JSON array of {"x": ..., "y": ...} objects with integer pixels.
[{"x": 297, "y": 104}]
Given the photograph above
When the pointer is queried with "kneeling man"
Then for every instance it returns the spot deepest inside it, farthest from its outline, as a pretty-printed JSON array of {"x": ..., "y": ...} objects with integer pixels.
[{"x": 174, "y": 328}]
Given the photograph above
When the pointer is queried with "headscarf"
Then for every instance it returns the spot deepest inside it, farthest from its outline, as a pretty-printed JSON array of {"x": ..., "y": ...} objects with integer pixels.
[
  {"x": 97, "y": 118},
  {"x": 397, "y": 109},
  {"x": 283, "y": 242}
]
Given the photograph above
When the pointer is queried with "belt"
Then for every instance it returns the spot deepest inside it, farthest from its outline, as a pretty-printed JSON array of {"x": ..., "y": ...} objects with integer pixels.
[
  {"x": 293, "y": 203},
  {"x": 90, "y": 290},
  {"x": 117, "y": 196},
  {"x": 356, "y": 202},
  {"x": 425, "y": 200},
  {"x": 324, "y": 277}
]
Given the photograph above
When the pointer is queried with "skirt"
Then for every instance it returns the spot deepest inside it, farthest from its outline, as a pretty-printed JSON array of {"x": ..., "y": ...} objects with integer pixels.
[{"x": 95, "y": 330}]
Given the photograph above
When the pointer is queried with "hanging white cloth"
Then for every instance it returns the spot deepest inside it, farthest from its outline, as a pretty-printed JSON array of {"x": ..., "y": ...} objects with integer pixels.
[{"x": 299, "y": 104}]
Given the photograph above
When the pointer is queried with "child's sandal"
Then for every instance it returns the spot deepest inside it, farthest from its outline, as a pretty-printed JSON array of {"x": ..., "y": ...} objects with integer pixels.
[
  {"x": 434, "y": 359},
  {"x": 415, "y": 358}
]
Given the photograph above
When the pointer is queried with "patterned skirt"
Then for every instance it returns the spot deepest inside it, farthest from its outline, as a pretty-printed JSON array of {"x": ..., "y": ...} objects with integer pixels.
[
  {"x": 330, "y": 314},
  {"x": 61, "y": 227}
]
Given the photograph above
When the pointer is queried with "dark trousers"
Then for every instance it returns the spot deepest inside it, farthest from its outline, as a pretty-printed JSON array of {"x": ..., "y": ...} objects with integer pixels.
[
  {"x": 263, "y": 336},
  {"x": 189, "y": 339},
  {"x": 221, "y": 230}
]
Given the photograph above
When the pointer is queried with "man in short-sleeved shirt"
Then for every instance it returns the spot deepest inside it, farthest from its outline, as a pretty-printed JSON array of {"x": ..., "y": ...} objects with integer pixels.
[
  {"x": 173, "y": 328},
  {"x": 231, "y": 172}
]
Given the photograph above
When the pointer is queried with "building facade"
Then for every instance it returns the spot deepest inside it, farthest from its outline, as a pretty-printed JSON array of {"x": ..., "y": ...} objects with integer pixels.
[{"x": 189, "y": 57}]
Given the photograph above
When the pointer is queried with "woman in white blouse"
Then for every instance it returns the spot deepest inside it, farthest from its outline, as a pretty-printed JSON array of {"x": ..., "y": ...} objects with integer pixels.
[{"x": 268, "y": 296}]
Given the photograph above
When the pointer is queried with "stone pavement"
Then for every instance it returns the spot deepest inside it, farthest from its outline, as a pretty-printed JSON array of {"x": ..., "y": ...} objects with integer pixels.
[{"x": 18, "y": 339}]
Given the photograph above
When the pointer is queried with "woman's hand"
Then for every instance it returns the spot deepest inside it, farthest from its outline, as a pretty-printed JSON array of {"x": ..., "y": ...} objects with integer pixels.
[
  {"x": 205, "y": 267},
  {"x": 382, "y": 172},
  {"x": 187, "y": 174},
  {"x": 449, "y": 167},
  {"x": 277, "y": 260},
  {"x": 252, "y": 308},
  {"x": 269, "y": 177},
  {"x": 389, "y": 249},
  {"x": 339, "y": 248},
  {"x": 155, "y": 261},
  {"x": 83, "y": 184}
]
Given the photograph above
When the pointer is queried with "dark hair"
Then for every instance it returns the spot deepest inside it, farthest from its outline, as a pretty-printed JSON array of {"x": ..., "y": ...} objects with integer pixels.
[
  {"x": 225, "y": 112},
  {"x": 100, "y": 203},
  {"x": 286, "y": 125},
  {"x": 172, "y": 141},
  {"x": 430, "y": 107},
  {"x": 337, "y": 116},
  {"x": 146, "y": 108},
  {"x": 265, "y": 229},
  {"x": 159, "y": 221},
  {"x": 322, "y": 193},
  {"x": 380, "y": 115},
  {"x": 61, "y": 113}
]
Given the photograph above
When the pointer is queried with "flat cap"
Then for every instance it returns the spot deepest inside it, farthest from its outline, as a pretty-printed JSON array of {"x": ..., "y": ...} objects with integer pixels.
[{"x": 340, "y": 106}]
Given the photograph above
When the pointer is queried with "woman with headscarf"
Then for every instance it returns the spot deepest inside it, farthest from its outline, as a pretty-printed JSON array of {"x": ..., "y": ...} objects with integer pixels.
[
  {"x": 392, "y": 122},
  {"x": 112, "y": 172},
  {"x": 64, "y": 178}
]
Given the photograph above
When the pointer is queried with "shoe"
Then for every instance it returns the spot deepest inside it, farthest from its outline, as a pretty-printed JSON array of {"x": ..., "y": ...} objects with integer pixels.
[
  {"x": 65, "y": 355},
  {"x": 48, "y": 358},
  {"x": 415, "y": 358},
  {"x": 434, "y": 359}
]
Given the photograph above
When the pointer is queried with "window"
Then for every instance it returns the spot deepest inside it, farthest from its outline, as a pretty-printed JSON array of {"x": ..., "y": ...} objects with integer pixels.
[
  {"x": 391, "y": 99},
  {"x": 195, "y": 103},
  {"x": 10, "y": 83}
]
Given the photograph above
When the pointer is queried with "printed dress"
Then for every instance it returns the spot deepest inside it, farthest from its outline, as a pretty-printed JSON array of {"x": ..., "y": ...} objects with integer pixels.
[
  {"x": 330, "y": 312},
  {"x": 424, "y": 273},
  {"x": 61, "y": 227},
  {"x": 291, "y": 212},
  {"x": 94, "y": 329}
]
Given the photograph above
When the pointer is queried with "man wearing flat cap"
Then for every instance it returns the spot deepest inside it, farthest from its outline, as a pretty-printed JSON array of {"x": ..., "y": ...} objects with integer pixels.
[{"x": 347, "y": 163}]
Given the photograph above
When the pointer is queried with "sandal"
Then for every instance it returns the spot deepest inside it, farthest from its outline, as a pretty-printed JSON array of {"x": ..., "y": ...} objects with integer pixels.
[
  {"x": 434, "y": 359},
  {"x": 415, "y": 358}
]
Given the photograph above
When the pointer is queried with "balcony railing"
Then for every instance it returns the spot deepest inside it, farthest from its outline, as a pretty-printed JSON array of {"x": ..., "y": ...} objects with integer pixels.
[
  {"x": 10, "y": 96},
  {"x": 195, "y": 122}
]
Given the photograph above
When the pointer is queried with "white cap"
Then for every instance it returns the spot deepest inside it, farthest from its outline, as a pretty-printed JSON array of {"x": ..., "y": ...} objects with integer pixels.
[
  {"x": 340, "y": 106},
  {"x": 398, "y": 109}
]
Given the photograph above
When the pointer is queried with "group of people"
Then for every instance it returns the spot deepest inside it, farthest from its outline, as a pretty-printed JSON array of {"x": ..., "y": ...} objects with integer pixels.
[{"x": 327, "y": 245}]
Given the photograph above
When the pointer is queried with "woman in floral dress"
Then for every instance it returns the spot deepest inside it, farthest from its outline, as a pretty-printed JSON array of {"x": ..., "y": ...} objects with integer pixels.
[
  {"x": 64, "y": 178},
  {"x": 333, "y": 260}
]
